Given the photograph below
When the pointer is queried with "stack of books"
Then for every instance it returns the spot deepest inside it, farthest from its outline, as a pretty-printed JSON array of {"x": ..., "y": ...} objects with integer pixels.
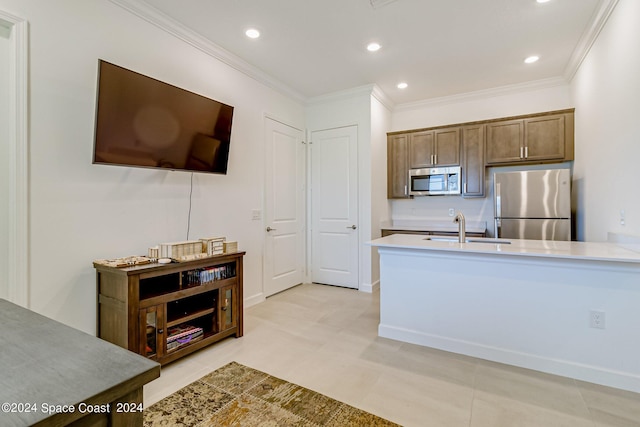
[{"x": 182, "y": 335}]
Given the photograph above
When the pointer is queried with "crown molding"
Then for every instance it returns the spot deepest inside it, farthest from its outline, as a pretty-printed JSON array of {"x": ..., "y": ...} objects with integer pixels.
[
  {"x": 365, "y": 90},
  {"x": 351, "y": 93},
  {"x": 378, "y": 94},
  {"x": 485, "y": 93},
  {"x": 159, "y": 19},
  {"x": 589, "y": 36}
]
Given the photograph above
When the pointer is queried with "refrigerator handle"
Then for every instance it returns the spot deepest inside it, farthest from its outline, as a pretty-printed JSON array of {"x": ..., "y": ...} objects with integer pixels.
[
  {"x": 498, "y": 201},
  {"x": 498, "y": 226}
]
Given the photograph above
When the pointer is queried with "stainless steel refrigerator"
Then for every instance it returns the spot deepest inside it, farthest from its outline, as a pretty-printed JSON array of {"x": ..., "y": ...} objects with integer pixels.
[{"x": 533, "y": 204}]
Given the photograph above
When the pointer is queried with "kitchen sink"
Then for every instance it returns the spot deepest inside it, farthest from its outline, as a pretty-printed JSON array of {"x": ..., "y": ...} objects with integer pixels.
[{"x": 469, "y": 240}]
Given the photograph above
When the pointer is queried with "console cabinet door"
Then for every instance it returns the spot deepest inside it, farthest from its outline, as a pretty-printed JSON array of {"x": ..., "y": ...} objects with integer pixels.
[
  {"x": 505, "y": 142},
  {"x": 473, "y": 169},
  {"x": 421, "y": 150},
  {"x": 447, "y": 147},
  {"x": 152, "y": 337},
  {"x": 227, "y": 305},
  {"x": 398, "y": 166}
]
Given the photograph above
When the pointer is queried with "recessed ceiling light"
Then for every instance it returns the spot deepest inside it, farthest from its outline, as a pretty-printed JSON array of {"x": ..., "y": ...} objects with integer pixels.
[
  {"x": 252, "y": 33},
  {"x": 373, "y": 47},
  {"x": 531, "y": 59},
  {"x": 402, "y": 85},
  {"x": 542, "y": 1}
]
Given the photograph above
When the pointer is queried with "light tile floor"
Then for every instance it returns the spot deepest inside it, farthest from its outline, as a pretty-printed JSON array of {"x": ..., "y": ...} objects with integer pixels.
[{"x": 325, "y": 338}]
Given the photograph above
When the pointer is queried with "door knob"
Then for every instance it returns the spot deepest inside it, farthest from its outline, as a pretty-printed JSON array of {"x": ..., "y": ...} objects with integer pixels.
[
  {"x": 353, "y": 227},
  {"x": 270, "y": 229}
]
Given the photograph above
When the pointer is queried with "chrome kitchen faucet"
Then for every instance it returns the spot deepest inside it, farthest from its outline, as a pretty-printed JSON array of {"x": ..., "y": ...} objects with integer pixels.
[{"x": 459, "y": 219}]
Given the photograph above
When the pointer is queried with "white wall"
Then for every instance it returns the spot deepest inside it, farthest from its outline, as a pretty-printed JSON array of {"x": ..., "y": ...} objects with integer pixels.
[
  {"x": 606, "y": 93},
  {"x": 4, "y": 159},
  {"x": 80, "y": 212},
  {"x": 503, "y": 102},
  {"x": 347, "y": 109},
  {"x": 380, "y": 206}
]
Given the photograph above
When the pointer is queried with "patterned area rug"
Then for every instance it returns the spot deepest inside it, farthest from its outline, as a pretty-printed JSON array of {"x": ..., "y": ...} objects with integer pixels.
[{"x": 236, "y": 395}]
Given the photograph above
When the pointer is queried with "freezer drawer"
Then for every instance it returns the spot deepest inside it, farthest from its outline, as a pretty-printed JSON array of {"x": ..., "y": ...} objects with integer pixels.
[{"x": 534, "y": 229}]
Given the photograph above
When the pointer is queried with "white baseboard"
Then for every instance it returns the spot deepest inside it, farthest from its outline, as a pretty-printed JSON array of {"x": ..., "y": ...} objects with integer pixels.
[
  {"x": 588, "y": 373},
  {"x": 369, "y": 287},
  {"x": 253, "y": 300}
]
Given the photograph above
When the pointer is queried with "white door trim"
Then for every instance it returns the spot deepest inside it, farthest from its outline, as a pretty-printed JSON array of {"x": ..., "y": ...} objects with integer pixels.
[{"x": 18, "y": 159}]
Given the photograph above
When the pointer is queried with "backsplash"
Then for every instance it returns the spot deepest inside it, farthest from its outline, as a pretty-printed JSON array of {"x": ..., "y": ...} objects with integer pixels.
[{"x": 436, "y": 208}]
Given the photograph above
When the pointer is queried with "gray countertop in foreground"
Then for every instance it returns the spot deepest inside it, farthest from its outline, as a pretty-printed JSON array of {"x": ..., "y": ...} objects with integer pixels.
[{"x": 44, "y": 363}]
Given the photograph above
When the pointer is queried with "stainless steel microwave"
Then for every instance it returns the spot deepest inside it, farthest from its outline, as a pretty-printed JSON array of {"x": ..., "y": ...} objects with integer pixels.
[{"x": 434, "y": 181}]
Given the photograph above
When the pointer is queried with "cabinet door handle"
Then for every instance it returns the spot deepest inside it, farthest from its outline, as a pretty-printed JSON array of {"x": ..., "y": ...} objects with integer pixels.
[
  {"x": 270, "y": 229},
  {"x": 526, "y": 152},
  {"x": 435, "y": 159},
  {"x": 405, "y": 190},
  {"x": 521, "y": 153},
  {"x": 353, "y": 227},
  {"x": 160, "y": 331},
  {"x": 464, "y": 188}
]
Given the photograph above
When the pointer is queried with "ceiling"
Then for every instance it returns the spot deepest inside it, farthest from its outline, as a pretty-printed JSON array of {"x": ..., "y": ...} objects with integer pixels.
[{"x": 438, "y": 47}]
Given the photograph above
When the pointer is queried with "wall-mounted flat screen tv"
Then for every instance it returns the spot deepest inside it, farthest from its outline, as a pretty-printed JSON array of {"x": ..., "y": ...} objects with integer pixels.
[{"x": 143, "y": 122}]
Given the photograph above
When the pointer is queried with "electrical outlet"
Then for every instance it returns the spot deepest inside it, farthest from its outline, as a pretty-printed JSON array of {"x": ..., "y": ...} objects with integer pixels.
[
  {"x": 597, "y": 319},
  {"x": 256, "y": 214},
  {"x": 452, "y": 211}
]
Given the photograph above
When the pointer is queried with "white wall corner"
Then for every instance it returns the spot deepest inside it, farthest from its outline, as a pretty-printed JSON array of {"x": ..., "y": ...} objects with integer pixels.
[
  {"x": 589, "y": 36},
  {"x": 18, "y": 162}
]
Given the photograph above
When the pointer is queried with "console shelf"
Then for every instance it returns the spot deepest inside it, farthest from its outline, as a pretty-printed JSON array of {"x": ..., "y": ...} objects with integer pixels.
[{"x": 165, "y": 312}]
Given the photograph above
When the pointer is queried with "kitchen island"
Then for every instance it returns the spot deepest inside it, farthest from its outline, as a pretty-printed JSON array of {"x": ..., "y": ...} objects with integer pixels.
[{"x": 566, "y": 308}]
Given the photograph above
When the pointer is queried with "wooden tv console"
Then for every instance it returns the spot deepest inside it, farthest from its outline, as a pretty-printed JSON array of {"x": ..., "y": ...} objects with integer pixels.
[{"x": 166, "y": 311}]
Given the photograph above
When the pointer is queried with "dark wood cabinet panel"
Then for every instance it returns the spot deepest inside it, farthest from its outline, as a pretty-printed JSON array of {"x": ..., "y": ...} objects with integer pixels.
[
  {"x": 447, "y": 147},
  {"x": 421, "y": 149},
  {"x": 542, "y": 138},
  {"x": 473, "y": 170},
  {"x": 439, "y": 147},
  {"x": 505, "y": 141},
  {"x": 398, "y": 166}
]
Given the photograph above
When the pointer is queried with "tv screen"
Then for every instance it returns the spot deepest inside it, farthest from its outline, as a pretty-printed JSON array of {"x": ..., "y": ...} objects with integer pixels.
[{"x": 143, "y": 122}]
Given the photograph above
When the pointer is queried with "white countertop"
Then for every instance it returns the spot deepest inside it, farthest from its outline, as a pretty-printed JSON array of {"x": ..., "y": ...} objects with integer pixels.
[{"x": 611, "y": 252}]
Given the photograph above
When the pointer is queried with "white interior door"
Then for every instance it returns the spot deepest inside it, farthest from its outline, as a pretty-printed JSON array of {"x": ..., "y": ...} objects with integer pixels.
[
  {"x": 334, "y": 207},
  {"x": 284, "y": 207}
]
